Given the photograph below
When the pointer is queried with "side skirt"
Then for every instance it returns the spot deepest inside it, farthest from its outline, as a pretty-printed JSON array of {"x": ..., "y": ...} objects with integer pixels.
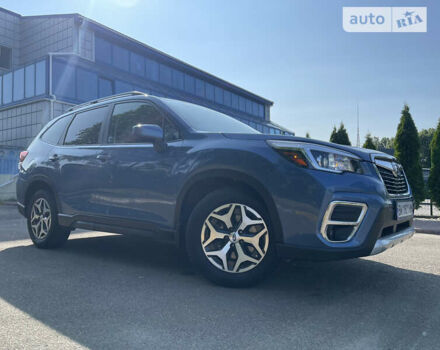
[{"x": 114, "y": 225}]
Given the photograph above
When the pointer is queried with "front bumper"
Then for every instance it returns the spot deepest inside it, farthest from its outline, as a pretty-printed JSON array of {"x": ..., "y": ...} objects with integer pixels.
[
  {"x": 289, "y": 251},
  {"x": 378, "y": 231},
  {"x": 390, "y": 241}
]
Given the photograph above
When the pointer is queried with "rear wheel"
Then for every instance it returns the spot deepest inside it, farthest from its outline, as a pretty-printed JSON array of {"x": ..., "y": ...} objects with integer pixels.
[
  {"x": 42, "y": 220},
  {"x": 229, "y": 238}
]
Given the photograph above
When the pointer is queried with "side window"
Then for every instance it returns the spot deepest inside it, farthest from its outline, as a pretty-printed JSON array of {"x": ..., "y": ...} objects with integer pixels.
[
  {"x": 53, "y": 134},
  {"x": 170, "y": 131},
  {"x": 85, "y": 127},
  {"x": 127, "y": 115}
]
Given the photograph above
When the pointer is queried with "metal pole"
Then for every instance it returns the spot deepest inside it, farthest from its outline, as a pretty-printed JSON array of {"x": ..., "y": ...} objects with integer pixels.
[{"x": 430, "y": 203}]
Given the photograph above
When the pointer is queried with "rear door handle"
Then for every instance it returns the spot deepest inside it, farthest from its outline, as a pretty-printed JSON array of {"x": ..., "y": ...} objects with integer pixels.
[{"x": 53, "y": 158}]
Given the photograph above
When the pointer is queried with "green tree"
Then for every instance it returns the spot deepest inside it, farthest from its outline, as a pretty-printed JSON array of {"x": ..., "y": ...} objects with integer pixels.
[
  {"x": 340, "y": 136},
  {"x": 434, "y": 175},
  {"x": 426, "y": 136},
  {"x": 407, "y": 151},
  {"x": 369, "y": 142},
  {"x": 334, "y": 135},
  {"x": 307, "y": 135},
  {"x": 385, "y": 144}
]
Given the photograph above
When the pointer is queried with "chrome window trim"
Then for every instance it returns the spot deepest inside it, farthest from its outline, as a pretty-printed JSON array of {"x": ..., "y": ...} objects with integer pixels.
[{"x": 326, "y": 221}]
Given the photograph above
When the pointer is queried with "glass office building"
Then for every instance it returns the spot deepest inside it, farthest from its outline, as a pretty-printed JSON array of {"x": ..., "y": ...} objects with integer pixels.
[{"x": 49, "y": 63}]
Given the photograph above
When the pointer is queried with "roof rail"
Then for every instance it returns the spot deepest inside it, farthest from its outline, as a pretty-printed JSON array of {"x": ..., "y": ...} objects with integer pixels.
[{"x": 124, "y": 94}]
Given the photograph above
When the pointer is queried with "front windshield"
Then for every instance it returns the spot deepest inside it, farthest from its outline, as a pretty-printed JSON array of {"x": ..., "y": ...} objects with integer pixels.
[{"x": 203, "y": 119}]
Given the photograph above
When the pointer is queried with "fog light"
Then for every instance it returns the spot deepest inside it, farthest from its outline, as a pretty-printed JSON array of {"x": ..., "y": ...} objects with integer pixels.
[{"x": 341, "y": 220}]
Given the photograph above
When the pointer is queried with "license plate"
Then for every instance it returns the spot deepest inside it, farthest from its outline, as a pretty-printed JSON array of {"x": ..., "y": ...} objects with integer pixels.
[{"x": 404, "y": 209}]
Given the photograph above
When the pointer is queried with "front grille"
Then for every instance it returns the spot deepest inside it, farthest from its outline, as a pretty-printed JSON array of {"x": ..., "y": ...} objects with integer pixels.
[{"x": 395, "y": 183}]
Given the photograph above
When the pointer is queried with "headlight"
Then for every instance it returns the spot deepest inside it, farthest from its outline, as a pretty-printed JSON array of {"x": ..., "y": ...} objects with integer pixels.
[{"x": 309, "y": 155}]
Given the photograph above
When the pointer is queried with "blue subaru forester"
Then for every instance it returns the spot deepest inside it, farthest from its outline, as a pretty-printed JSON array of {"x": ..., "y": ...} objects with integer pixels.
[{"x": 237, "y": 200}]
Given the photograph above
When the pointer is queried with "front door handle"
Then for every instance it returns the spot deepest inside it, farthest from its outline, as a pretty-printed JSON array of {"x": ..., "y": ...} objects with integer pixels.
[{"x": 103, "y": 157}]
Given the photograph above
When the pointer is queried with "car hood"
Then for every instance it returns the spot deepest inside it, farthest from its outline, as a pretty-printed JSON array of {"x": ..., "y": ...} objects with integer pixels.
[{"x": 363, "y": 153}]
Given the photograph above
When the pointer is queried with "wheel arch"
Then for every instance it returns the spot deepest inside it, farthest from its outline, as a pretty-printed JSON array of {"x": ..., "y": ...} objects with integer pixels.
[
  {"x": 39, "y": 183},
  {"x": 202, "y": 183}
]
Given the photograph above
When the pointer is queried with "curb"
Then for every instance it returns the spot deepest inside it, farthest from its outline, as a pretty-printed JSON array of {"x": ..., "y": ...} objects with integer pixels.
[
  {"x": 8, "y": 203},
  {"x": 428, "y": 231},
  {"x": 427, "y": 226}
]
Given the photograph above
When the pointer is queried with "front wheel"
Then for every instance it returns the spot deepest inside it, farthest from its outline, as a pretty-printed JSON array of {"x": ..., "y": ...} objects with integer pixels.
[
  {"x": 229, "y": 238},
  {"x": 42, "y": 221}
]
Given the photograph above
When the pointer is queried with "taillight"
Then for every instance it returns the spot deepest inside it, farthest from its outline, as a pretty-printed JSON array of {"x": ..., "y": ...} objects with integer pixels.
[{"x": 23, "y": 155}]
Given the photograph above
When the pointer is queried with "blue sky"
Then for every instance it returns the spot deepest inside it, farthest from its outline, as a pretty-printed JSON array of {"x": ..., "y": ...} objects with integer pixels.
[{"x": 294, "y": 53}]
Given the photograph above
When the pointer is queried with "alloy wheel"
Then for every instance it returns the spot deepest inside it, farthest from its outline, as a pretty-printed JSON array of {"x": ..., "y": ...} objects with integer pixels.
[
  {"x": 235, "y": 238},
  {"x": 41, "y": 218}
]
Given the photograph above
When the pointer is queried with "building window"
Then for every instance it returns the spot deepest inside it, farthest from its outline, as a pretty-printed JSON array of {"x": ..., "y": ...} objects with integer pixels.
[
  {"x": 255, "y": 108},
  {"x": 200, "y": 88},
  {"x": 120, "y": 58},
  {"x": 189, "y": 84},
  {"x": 261, "y": 111},
  {"x": 19, "y": 84},
  {"x": 105, "y": 87},
  {"x": 7, "y": 88},
  {"x": 242, "y": 104},
  {"x": 165, "y": 75},
  {"x": 152, "y": 69},
  {"x": 86, "y": 85},
  {"x": 234, "y": 101},
  {"x": 227, "y": 98},
  {"x": 121, "y": 87},
  {"x": 40, "y": 78},
  {"x": 209, "y": 91},
  {"x": 103, "y": 51},
  {"x": 63, "y": 80},
  {"x": 178, "y": 79},
  {"x": 29, "y": 81},
  {"x": 5, "y": 57},
  {"x": 137, "y": 65},
  {"x": 248, "y": 106},
  {"x": 218, "y": 94}
]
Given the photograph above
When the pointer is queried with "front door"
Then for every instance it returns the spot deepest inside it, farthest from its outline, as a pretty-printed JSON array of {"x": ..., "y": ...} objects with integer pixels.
[{"x": 142, "y": 185}]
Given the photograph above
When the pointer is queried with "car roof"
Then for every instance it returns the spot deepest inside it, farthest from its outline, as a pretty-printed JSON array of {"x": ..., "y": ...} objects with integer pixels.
[{"x": 109, "y": 99}]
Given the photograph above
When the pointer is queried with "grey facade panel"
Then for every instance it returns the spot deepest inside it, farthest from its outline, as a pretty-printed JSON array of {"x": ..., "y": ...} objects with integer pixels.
[
  {"x": 10, "y": 35},
  {"x": 20, "y": 124},
  {"x": 39, "y": 36}
]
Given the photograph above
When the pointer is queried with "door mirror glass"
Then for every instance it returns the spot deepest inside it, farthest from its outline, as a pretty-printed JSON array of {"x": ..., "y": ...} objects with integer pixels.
[{"x": 147, "y": 133}]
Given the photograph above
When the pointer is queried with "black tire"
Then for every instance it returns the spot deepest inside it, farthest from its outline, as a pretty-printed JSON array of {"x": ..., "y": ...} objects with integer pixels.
[
  {"x": 56, "y": 235},
  {"x": 196, "y": 253}
]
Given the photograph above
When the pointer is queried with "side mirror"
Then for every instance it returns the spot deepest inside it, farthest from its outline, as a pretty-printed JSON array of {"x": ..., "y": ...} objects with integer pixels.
[{"x": 150, "y": 133}]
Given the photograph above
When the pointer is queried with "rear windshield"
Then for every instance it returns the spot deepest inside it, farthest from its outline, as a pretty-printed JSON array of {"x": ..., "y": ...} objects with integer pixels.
[{"x": 203, "y": 119}]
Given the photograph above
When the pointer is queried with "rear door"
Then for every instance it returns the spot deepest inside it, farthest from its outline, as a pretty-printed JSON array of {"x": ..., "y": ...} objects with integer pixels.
[
  {"x": 83, "y": 168},
  {"x": 142, "y": 185}
]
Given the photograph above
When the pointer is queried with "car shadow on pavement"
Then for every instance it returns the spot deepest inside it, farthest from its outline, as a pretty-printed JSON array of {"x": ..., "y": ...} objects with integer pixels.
[{"x": 128, "y": 292}]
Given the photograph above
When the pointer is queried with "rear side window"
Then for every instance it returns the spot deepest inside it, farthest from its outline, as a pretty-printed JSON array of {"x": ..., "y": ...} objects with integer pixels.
[
  {"x": 85, "y": 127},
  {"x": 54, "y": 133},
  {"x": 127, "y": 115}
]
